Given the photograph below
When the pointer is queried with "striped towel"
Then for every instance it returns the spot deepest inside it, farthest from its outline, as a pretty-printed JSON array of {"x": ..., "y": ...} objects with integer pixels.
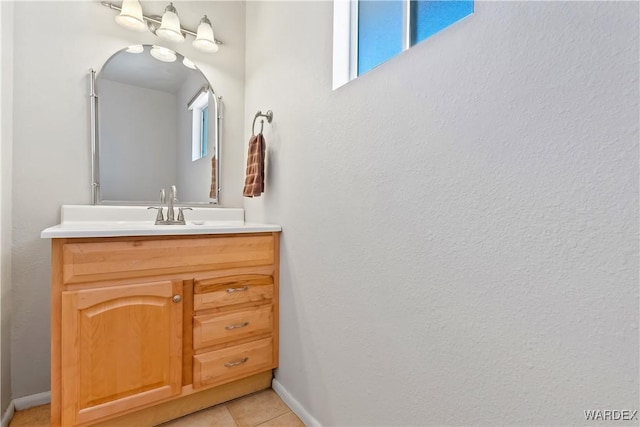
[
  {"x": 213, "y": 193},
  {"x": 254, "y": 180}
]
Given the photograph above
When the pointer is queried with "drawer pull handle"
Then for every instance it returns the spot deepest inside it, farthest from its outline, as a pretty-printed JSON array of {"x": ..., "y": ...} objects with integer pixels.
[
  {"x": 239, "y": 325},
  {"x": 231, "y": 290},
  {"x": 236, "y": 363},
  {"x": 176, "y": 298}
]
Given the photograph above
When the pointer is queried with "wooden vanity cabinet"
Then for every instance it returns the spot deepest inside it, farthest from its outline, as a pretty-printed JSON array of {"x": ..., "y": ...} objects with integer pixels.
[{"x": 146, "y": 329}]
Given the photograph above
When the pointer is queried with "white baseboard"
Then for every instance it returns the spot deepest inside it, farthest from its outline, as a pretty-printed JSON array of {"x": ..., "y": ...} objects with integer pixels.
[
  {"x": 8, "y": 415},
  {"x": 27, "y": 402},
  {"x": 295, "y": 406}
]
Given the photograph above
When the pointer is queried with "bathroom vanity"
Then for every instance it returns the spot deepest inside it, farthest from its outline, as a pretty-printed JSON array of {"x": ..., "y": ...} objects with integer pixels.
[
  {"x": 152, "y": 320},
  {"x": 151, "y": 323}
]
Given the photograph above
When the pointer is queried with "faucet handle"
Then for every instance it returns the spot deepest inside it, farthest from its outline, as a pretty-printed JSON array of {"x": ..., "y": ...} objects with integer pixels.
[
  {"x": 159, "y": 216},
  {"x": 181, "y": 213}
]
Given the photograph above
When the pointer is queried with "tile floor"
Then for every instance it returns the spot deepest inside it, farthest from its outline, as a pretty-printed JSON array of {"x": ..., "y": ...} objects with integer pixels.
[{"x": 263, "y": 409}]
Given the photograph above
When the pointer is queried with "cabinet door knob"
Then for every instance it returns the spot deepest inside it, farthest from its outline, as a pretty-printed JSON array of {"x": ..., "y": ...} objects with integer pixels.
[{"x": 177, "y": 298}]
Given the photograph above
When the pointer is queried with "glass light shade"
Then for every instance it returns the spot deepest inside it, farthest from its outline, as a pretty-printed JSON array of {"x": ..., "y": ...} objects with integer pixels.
[
  {"x": 170, "y": 26},
  {"x": 187, "y": 63},
  {"x": 163, "y": 54},
  {"x": 130, "y": 16},
  {"x": 205, "y": 41},
  {"x": 136, "y": 48}
]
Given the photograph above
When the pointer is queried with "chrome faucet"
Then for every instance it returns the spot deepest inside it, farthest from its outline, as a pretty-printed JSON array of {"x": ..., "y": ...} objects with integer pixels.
[
  {"x": 173, "y": 197},
  {"x": 171, "y": 220}
]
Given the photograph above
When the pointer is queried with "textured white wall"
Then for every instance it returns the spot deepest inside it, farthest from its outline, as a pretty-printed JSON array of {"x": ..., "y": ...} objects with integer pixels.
[
  {"x": 141, "y": 151},
  {"x": 51, "y": 163},
  {"x": 6, "y": 128},
  {"x": 460, "y": 238}
]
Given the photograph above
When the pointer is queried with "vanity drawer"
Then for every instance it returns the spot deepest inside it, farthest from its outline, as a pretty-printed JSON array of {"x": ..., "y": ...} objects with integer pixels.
[
  {"x": 216, "y": 328},
  {"x": 93, "y": 261},
  {"x": 213, "y": 293},
  {"x": 220, "y": 366}
]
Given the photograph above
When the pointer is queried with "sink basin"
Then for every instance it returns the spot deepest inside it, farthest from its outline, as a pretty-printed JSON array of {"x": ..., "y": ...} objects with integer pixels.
[
  {"x": 128, "y": 214},
  {"x": 113, "y": 221}
]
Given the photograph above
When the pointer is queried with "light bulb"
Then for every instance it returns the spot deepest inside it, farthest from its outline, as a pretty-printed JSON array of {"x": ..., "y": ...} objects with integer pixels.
[
  {"x": 130, "y": 16},
  {"x": 205, "y": 41},
  {"x": 170, "y": 26}
]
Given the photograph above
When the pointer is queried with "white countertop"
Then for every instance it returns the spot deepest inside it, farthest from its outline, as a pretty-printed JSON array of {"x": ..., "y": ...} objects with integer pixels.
[{"x": 115, "y": 221}]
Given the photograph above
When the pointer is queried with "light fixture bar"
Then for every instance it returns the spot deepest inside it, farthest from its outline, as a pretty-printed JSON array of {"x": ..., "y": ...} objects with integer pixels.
[{"x": 154, "y": 20}]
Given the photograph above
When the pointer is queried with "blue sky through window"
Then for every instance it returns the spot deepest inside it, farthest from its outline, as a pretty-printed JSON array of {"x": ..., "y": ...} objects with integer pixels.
[
  {"x": 379, "y": 32},
  {"x": 382, "y": 28},
  {"x": 429, "y": 16}
]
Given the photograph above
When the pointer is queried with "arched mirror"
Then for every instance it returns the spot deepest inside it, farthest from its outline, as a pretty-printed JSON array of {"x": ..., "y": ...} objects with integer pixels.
[{"x": 156, "y": 123}]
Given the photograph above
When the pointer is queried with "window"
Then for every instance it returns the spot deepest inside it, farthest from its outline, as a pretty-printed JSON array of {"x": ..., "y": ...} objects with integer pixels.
[
  {"x": 379, "y": 31},
  {"x": 427, "y": 17},
  {"x": 204, "y": 132},
  {"x": 199, "y": 106},
  {"x": 369, "y": 32}
]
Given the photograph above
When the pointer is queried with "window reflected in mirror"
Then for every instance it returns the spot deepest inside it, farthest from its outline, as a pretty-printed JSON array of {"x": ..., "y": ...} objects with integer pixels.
[{"x": 199, "y": 107}]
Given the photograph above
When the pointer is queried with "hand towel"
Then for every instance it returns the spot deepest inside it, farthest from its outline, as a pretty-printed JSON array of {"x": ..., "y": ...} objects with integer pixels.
[
  {"x": 213, "y": 193},
  {"x": 254, "y": 178}
]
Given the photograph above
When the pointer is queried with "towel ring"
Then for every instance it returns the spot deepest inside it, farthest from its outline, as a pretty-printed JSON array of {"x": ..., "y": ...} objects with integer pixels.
[{"x": 269, "y": 117}]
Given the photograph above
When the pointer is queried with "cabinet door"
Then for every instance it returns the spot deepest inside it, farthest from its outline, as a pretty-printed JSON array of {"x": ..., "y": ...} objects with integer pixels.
[{"x": 121, "y": 348}]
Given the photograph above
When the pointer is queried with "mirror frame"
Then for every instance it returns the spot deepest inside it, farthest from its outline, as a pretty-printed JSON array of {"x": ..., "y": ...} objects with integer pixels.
[{"x": 96, "y": 198}]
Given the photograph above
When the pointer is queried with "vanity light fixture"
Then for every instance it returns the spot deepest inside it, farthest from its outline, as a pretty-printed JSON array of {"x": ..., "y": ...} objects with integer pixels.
[
  {"x": 170, "y": 26},
  {"x": 167, "y": 27},
  {"x": 204, "y": 39},
  {"x": 130, "y": 16},
  {"x": 163, "y": 54}
]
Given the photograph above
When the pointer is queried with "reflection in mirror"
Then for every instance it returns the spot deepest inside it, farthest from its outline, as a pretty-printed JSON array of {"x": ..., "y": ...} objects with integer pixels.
[
  {"x": 158, "y": 124},
  {"x": 199, "y": 107}
]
